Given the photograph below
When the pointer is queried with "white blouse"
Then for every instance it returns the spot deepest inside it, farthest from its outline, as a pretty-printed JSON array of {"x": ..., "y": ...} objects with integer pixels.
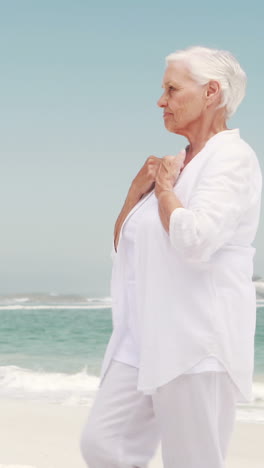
[
  {"x": 128, "y": 351},
  {"x": 190, "y": 296}
]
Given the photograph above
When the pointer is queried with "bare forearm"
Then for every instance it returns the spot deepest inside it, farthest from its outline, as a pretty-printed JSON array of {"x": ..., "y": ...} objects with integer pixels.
[
  {"x": 141, "y": 185},
  {"x": 131, "y": 200},
  {"x": 168, "y": 202}
]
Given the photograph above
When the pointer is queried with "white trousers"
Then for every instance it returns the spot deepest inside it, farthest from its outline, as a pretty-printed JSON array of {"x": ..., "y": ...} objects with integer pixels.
[{"x": 193, "y": 416}]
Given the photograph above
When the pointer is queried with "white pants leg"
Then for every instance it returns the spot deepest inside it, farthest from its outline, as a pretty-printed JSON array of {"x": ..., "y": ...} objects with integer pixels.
[
  {"x": 193, "y": 416},
  {"x": 196, "y": 416},
  {"x": 121, "y": 431}
]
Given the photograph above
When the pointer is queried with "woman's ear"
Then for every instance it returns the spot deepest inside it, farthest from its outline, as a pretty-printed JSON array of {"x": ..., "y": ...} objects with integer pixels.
[{"x": 213, "y": 92}]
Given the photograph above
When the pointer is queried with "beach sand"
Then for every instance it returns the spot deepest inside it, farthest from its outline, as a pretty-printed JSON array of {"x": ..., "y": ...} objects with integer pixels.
[{"x": 44, "y": 435}]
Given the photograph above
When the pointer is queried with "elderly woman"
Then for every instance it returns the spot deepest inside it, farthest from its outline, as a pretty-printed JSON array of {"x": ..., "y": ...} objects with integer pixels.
[{"x": 181, "y": 354}]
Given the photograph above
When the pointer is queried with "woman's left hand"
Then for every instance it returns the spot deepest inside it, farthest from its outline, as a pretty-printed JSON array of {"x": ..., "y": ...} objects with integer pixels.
[{"x": 168, "y": 172}]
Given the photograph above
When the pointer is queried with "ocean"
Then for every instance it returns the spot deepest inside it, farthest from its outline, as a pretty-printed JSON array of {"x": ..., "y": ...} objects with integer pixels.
[{"x": 52, "y": 346}]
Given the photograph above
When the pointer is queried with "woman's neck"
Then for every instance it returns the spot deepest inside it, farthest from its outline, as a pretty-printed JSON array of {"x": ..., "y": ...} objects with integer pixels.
[{"x": 198, "y": 135}]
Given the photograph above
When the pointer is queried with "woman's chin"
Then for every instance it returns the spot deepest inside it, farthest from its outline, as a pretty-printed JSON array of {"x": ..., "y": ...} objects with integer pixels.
[{"x": 171, "y": 128}]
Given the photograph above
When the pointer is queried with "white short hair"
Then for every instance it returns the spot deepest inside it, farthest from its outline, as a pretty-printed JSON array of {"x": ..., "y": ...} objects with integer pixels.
[{"x": 211, "y": 64}]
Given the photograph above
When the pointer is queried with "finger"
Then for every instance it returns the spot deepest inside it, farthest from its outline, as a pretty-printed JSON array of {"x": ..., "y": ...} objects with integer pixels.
[
  {"x": 179, "y": 157},
  {"x": 169, "y": 158},
  {"x": 165, "y": 166},
  {"x": 153, "y": 160}
]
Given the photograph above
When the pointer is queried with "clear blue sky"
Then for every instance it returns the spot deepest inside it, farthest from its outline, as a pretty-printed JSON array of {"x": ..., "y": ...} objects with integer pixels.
[{"x": 79, "y": 86}]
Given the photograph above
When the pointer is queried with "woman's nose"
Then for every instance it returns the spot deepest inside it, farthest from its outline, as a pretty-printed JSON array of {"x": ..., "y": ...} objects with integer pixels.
[{"x": 162, "y": 102}]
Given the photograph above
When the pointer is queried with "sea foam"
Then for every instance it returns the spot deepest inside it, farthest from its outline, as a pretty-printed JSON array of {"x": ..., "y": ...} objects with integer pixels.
[
  {"x": 18, "y": 382},
  {"x": 80, "y": 389}
]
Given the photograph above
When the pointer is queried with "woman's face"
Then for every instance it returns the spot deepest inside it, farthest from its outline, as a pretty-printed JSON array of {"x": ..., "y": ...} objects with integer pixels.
[{"x": 183, "y": 100}]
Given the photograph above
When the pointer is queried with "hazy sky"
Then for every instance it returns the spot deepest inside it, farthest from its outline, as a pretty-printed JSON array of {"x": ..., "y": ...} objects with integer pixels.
[{"x": 79, "y": 86}]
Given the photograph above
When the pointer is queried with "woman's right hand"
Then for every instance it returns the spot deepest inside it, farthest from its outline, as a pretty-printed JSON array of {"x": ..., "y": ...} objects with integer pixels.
[{"x": 143, "y": 183}]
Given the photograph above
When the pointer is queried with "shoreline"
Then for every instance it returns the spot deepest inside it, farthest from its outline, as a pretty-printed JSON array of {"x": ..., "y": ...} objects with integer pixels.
[{"x": 38, "y": 434}]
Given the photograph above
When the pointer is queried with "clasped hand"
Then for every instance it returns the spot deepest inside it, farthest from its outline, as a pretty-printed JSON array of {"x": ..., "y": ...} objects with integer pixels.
[
  {"x": 168, "y": 173},
  {"x": 159, "y": 173}
]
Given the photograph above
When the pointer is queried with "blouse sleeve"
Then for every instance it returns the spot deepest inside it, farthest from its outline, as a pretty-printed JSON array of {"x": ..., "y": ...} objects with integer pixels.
[{"x": 226, "y": 189}]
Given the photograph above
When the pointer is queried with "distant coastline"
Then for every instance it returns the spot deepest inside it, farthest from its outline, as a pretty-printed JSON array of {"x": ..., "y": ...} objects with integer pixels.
[{"x": 83, "y": 300}]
